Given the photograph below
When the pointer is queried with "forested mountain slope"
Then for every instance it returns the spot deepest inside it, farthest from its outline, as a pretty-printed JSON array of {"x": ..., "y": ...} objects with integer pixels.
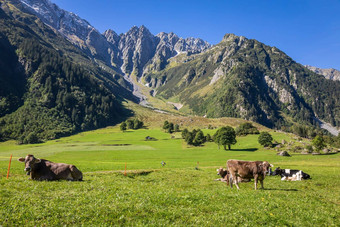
[
  {"x": 48, "y": 87},
  {"x": 245, "y": 78}
]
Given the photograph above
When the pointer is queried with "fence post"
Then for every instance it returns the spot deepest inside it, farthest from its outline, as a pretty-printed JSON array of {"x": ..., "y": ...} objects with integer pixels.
[{"x": 9, "y": 166}]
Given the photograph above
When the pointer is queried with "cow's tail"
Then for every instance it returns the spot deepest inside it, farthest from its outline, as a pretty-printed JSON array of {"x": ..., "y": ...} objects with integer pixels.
[{"x": 76, "y": 173}]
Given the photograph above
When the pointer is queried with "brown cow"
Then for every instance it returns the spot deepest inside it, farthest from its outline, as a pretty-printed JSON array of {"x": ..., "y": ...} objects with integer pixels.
[
  {"x": 248, "y": 170},
  {"x": 225, "y": 175},
  {"x": 41, "y": 169}
]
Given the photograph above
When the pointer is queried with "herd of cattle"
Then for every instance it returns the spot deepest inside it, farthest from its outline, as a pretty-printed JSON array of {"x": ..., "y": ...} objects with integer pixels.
[
  {"x": 237, "y": 171},
  {"x": 243, "y": 171}
]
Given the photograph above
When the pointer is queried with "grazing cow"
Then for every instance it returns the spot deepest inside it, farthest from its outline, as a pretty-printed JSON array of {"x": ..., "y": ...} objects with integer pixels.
[
  {"x": 248, "y": 170},
  {"x": 289, "y": 173},
  {"x": 41, "y": 169},
  {"x": 225, "y": 175}
]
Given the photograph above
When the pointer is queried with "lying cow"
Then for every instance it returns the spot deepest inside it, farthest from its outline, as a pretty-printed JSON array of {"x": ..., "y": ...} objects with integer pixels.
[
  {"x": 41, "y": 169},
  {"x": 247, "y": 170},
  {"x": 224, "y": 175},
  {"x": 294, "y": 177},
  {"x": 289, "y": 173}
]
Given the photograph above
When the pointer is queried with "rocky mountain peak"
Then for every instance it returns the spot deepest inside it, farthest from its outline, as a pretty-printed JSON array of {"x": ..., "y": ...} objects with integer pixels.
[
  {"x": 111, "y": 36},
  {"x": 331, "y": 74}
]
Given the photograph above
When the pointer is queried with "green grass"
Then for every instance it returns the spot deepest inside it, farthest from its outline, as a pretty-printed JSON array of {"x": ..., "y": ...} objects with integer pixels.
[{"x": 176, "y": 194}]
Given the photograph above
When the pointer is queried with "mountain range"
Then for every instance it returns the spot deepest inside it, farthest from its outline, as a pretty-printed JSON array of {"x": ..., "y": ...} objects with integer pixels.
[{"x": 54, "y": 62}]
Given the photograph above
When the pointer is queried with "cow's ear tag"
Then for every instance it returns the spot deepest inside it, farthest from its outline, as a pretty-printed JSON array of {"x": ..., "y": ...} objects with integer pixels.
[
  {"x": 21, "y": 160},
  {"x": 37, "y": 160}
]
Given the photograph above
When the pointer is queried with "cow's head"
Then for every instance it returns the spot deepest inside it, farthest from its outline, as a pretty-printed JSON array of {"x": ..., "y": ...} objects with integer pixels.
[
  {"x": 265, "y": 166},
  {"x": 222, "y": 172},
  {"x": 277, "y": 171},
  {"x": 29, "y": 161}
]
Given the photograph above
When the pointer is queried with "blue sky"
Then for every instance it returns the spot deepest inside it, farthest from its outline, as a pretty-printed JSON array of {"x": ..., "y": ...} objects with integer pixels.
[{"x": 306, "y": 30}]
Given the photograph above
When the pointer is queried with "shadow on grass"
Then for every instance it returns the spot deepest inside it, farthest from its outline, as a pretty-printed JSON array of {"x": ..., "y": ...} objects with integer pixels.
[
  {"x": 138, "y": 173},
  {"x": 245, "y": 149},
  {"x": 280, "y": 189}
]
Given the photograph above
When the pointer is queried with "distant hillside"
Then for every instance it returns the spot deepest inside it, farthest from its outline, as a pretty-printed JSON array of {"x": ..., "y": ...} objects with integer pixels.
[
  {"x": 244, "y": 78},
  {"x": 331, "y": 74},
  {"x": 49, "y": 88}
]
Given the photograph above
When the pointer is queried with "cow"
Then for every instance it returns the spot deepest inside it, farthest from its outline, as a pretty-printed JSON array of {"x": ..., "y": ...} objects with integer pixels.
[
  {"x": 256, "y": 170},
  {"x": 225, "y": 175},
  {"x": 289, "y": 173},
  {"x": 294, "y": 177},
  {"x": 42, "y": 169}
]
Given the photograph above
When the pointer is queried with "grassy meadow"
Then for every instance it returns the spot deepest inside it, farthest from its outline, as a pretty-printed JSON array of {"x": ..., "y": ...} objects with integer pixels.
[{"x": 177, "y": 194}]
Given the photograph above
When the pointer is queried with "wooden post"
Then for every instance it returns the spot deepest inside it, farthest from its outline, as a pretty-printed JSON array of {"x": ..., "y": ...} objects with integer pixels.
[
  {"x": 9, "y": 166},
  {"x": 198, "y": 164},
  {"x": 125, "y": 170}
]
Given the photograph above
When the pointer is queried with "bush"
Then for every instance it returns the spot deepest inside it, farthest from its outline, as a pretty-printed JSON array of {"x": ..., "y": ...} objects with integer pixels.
[{"x": 309, "y": 148}]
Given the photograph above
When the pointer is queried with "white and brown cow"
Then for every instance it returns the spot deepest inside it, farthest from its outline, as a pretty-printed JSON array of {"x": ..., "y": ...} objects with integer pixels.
[
  {"x": 41, "y": 169},
  {"x": 256, "y": 170}
]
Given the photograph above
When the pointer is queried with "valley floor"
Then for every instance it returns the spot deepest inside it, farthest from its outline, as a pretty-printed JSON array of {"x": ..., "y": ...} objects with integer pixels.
[{"x": 183, "y": 192}]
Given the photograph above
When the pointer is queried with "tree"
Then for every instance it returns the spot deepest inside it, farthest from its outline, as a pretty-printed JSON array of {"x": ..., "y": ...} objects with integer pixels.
[
  {"x": 225, "y": 136},
  {"x": 31, "y": 138},
  {"x": 245, "y": 129},
  {"x": 137, "y": 124},
  {"x": 199, "y": 138},
  {"x": 176, "y": 128},
  {"x": 166, "y": 125},
  {"x": 171, "y": 128},
  {"x": 129, "y": 124},
  {"x": 319, "y": 143},
  {"x": 265, "y": 139},
  {"x": 123, "y": 126},
  {"x": 189, "y": 138},
  {"x": 184, "y": 133},
  {"x": 208, "y": 138}
]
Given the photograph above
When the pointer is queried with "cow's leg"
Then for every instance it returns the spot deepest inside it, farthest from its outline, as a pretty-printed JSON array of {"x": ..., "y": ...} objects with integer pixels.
[
  {"x": 234, "y": 180},
  {"x": 255, "y": 180},
  {"x": 261, "y": 181}
]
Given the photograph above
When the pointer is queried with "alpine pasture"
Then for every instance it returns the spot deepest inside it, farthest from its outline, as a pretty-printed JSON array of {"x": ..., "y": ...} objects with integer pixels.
[{"x": 183, "y": 192}]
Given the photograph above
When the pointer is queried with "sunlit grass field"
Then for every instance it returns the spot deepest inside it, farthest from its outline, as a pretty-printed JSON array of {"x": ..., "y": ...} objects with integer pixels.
[{"x": 183, "y": 192}]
